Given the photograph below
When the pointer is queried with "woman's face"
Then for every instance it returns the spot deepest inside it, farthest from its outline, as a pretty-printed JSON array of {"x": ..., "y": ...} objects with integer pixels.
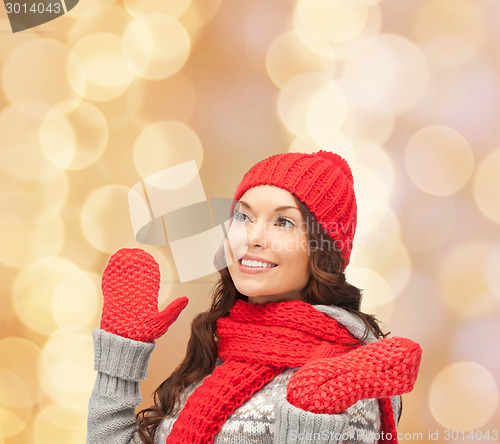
[{"x": 268, "y": 246}]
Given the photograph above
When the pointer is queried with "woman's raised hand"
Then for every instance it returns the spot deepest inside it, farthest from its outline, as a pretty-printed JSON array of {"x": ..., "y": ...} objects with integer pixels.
[{"x": 130, "y": 286}]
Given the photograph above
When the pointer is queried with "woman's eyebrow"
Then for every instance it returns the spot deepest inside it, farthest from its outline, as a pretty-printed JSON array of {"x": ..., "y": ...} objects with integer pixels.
[{"x": 284, "y": 207}]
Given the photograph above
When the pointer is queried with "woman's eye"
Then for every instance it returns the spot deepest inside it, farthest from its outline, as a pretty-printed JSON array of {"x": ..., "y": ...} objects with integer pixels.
[
  {"x": 283, "y": 221},
  {"x": 239, "y": 216}
]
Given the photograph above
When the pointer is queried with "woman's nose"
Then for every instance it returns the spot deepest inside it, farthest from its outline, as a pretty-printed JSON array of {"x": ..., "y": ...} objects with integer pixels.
[{"x": 256, "y": 234}]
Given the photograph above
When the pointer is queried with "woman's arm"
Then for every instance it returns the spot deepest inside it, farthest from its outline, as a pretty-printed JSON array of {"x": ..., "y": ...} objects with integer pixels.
[{"x": 121, "y": 364}]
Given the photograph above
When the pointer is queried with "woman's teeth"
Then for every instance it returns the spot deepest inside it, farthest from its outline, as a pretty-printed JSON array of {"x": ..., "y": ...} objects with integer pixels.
[{"x": 255, "y": 264}]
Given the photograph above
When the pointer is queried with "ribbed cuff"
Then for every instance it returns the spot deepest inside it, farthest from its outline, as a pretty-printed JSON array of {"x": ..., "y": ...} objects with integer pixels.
[
  {"x": 121, "y": 357},
  {"x": 294, "y": 425}
]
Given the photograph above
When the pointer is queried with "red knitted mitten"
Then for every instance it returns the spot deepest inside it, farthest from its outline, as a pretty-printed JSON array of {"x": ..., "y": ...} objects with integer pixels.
[
  {"x": 130, "y": 285},
  {"x": 330, "y": 385}
]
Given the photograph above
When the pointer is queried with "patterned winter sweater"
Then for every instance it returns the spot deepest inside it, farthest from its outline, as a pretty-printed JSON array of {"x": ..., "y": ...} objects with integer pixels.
[{"x": 266, "y": 417}]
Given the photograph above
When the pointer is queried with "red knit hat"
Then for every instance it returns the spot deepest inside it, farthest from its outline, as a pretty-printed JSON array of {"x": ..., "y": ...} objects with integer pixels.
[{"x": 322, "y": 181}]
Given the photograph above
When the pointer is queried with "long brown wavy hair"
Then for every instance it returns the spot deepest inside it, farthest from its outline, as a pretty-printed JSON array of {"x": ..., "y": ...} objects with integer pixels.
[{"x": 327, "y": 286}]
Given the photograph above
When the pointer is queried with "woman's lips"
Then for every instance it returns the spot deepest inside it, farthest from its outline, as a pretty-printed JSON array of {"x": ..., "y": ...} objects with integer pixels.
[{"x": 253, "y": 270}]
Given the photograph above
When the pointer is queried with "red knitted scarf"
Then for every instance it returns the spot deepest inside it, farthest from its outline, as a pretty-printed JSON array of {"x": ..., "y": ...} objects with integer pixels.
[{"x": 257, "y": 342}]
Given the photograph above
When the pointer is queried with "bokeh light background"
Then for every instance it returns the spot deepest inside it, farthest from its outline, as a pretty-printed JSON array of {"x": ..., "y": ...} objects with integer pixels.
[{"x": 114, "y": 91}]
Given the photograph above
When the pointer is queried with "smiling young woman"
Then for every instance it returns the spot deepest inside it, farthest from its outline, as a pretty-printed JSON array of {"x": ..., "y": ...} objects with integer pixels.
[{"x": 284, "y": 354}]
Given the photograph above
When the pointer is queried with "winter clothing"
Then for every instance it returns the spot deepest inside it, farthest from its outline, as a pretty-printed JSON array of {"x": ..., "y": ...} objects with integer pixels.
[{"x": 266, "y": 417}]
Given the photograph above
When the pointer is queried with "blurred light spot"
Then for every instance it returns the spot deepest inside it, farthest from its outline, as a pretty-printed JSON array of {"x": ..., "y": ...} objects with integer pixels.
[
  {"x": 20, "y": 153},
  {"x": 26, "y": 241},
  {"x": 312, "y": 105},
  {"x": 90, "y": 8},
  {"x": 155, "y": 46},
  {"x": 463, "y": 280},
  {"x": 42, "y": 77},
  {"x": 439, "y": 160},
  {"x": 29, "y": 201},
  {"x": 336, "y": 143},
  {"x": 427, "y": 221},
  {"x": 66, "y": 363},
  {"x": 487, "y": 186},
  {"x": 113, "y": 20},
  {"x": 333, "y": 20},
  {"x": 387, "y": 64},
  {"x": 13, "y": 391},
  {"x": 345, "y": 48},
  {"x": 76, "y": 299},
  {"x": 44, "y": 431},
  {"x": 13, "y": 421},
  {"x": 369, "y": 184},
  {"x": 33, "y": 290},
  {"x": 373, "y": 126},
  {"x": 199, "y": 14},
  {"x": 450, "y": 32},
  {"x": 173, "y": 99},
  {"x": 384, "y": 254},
  {"x": 105, "y": 218},
  {"x": 65, "y": 415},
  {"x": 378, "y": 161},
  {"x": 377, "y": 295},
  {"x": 164, "y": 144},
  {"x": 463, "y": 396},
  {"x": 296, "y": 52},
  {"x": 20, "y": 357},
  {"x": 73, "y": 137},
  {"x": 96, "y": 68},
  {"x": 174, "y": 8}
]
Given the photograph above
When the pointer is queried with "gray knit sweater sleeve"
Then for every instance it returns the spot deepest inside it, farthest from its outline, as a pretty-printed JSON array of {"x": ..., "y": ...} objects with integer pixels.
[{"x": 121, "y": 364}]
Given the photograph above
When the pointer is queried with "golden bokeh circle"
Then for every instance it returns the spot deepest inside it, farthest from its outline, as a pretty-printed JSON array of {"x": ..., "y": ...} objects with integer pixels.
[
  {"x": 439, "y": 160},
  {"x": 66, "y": 363},
  {"x": 463, "y": 396},
  {"x": 155, "y": 46},
  {"x": 463, "y": 280},
  {"x": 26, "y": 241},
  {"x": 298, "y": 51},
  {"x": 377, "y": 294},
  {"x": 42, "y": 78},
  {"x": 333, "y": 20},
  {"x": 45, "y": 431},
  {"x": 20, "y": 153},
  {"x": 387, "y": 64},
  {"x": 486, "y": 186},
  {"x": 164, "y": 144},
  {"x": 77, "y": 299},
  {"x": 33, "y": 290},
  {"x": 73, "y": 136},
  {"x": 13, "y": 421},
  {"x": 312, "y": 105},
  {"x": 96, "y": 68},
  {"x": 65, "y": 415},
  {"x": 450, "y": 32},
  {"x": 13, "y": 391},
  {"x": 20, "y": 357},
  {"x": 33, "y": 202},
  {"x": 105, "y": 218}
]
